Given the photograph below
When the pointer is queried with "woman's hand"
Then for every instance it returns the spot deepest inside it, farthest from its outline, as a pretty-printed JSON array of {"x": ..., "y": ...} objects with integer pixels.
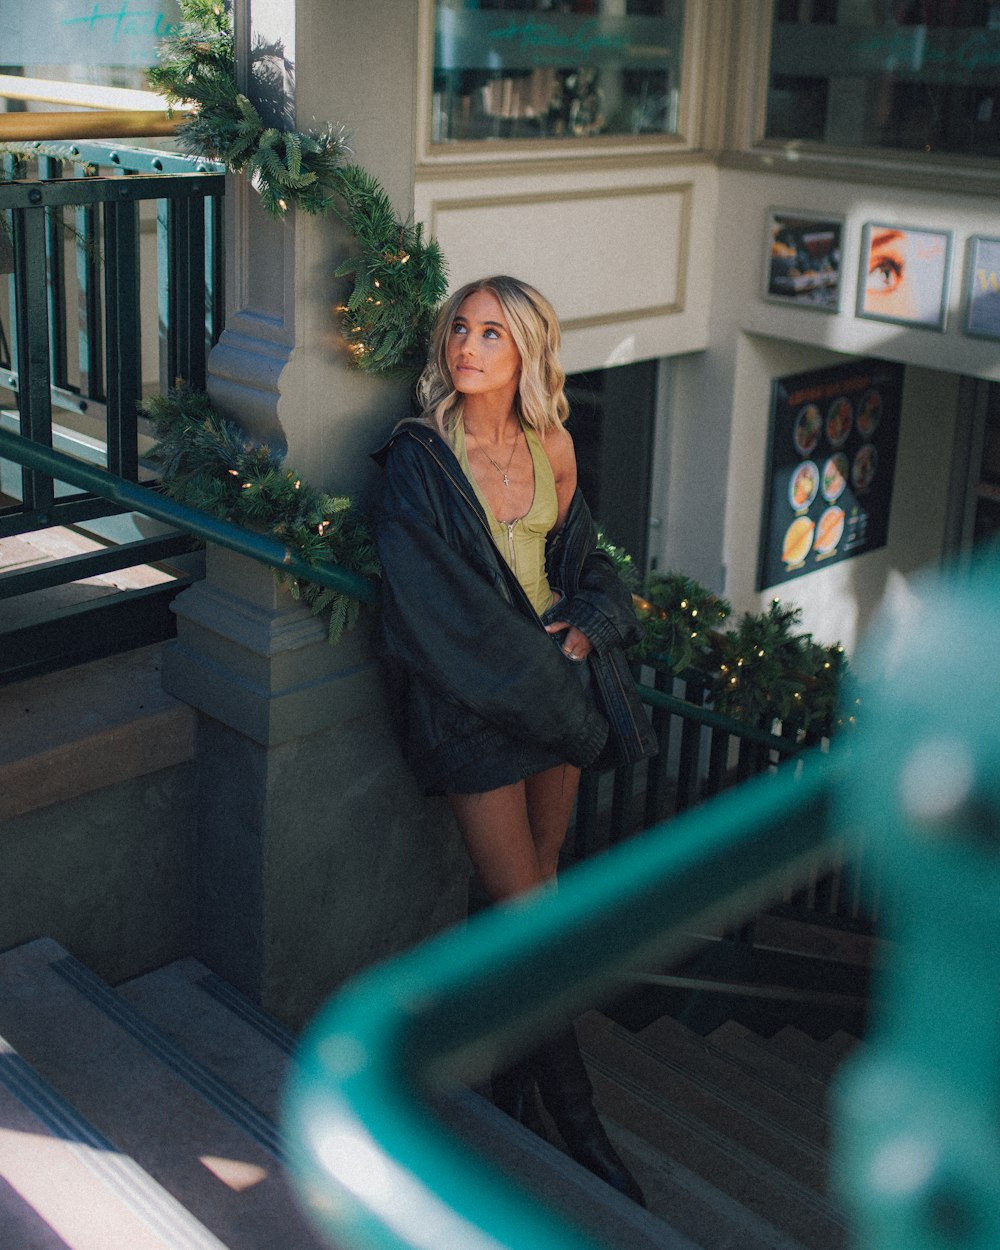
[{"x": 576, "y": 645}]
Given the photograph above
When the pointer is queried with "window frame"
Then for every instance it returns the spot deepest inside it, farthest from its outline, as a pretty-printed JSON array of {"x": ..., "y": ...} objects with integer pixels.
[
  {"x": 508, "y": 151},
  {"x": 746, "y": 144}
]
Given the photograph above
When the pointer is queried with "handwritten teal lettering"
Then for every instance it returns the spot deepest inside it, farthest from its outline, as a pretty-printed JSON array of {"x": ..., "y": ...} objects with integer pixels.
[
  {"x": 125, "y": 23},
  {"x": 980, "y": 50},
  {"x": 586, "y": 38}
]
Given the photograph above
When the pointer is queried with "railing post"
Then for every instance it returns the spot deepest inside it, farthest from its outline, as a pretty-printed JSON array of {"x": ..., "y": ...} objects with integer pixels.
[
  {"x": 90, "y": 334},
  {"x": 121, "y": 260},
  {"x": 31, "y": 304}
]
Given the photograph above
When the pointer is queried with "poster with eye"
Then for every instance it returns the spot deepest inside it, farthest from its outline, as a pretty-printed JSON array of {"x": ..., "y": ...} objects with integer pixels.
[
  {"x": 904, "y": 275},
  {"x": 830, "y": 467}
]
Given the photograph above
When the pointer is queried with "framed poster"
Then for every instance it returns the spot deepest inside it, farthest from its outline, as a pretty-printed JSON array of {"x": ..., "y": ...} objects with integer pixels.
[
  {"x": 802, "y": 260},
  {"x": 830, "y": 467},
  {"x": 904, "y": 275},
  {"x": 982, "y": 301}
]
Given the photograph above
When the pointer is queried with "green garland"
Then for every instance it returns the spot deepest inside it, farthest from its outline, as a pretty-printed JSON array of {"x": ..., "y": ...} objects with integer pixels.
[
  {"x": 758, "y": 671},
  {"x": 208, "y": 463},
  {"x": 399, "y": 276}
]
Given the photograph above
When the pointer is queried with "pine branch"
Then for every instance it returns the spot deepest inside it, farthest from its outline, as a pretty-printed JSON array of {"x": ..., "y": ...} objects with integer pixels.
[{"x": 209, "y": 463}]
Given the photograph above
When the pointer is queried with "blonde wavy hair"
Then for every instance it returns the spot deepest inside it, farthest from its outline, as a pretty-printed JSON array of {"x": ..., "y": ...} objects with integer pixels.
[{"x": 540, "y": 401}]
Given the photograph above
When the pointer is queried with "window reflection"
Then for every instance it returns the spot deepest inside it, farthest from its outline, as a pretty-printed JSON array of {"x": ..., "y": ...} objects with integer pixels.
[
  {"x": 918, "y": 75},
  {"x": 555, "y": 69}
]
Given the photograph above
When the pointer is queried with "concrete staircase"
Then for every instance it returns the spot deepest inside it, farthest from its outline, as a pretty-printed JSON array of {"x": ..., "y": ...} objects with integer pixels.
[{"x": 145, "y": 1116}]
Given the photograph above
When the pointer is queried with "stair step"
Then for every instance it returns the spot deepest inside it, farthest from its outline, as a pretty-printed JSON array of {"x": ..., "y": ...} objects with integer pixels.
[
  {"x": 799, "y": 1048},
  {"x": 676, "y": 1045},
  {"x": 557, "y": 1180},
  {"x": 842, "y": 1044},
  {"x": 818, "y": 940},
  {"x": 218, "y": 1026},
  {"x": 735, "y": 1167},
  {"x": 211, "y": 1149},
  {"x": 751, "y": 1051},
  {"x": 692, "y": 1205},
  {"x": 696, "y": 1095},
  {"x": 63, "y": 1186}
]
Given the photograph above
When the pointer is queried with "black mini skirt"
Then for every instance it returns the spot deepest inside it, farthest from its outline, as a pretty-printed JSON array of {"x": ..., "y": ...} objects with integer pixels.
[{"x": 515, "y": 760}]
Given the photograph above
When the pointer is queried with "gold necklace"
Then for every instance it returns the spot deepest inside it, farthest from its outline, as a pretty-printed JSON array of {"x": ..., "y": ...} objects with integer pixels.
[{"x": 501, "y": 469}]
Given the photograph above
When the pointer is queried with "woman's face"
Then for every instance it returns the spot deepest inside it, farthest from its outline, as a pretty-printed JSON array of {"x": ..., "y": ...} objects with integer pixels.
[{"x": 480, "y": 350}]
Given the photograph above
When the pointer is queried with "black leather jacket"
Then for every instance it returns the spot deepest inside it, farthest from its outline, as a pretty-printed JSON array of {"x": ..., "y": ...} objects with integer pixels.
[{"x": 461, "y": 637}]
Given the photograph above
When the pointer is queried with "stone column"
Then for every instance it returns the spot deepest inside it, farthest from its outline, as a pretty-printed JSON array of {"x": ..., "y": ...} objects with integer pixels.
[{"x": 317, "y": 855}]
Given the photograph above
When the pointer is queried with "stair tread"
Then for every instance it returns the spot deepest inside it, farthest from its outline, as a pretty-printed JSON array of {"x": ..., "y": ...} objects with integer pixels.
[
  {"x": 797, "y": 1208},
  {"x": 557, "y": 1180},
  {"x": 218, "y": 1027},
  {"x": 792, "y": 1044},
  {"x": 841, "y": 1043},
  {"x": 748, "y": 1048},
  {"x": 218, "y": 1168},
  {"x": 62, "y": 1184},
  {"x": 821, "y": 941},
  {"x": 697, "y": 1095},
  {"x": 674, "y": 1043},
  {"x": 691, "y": 1204}
]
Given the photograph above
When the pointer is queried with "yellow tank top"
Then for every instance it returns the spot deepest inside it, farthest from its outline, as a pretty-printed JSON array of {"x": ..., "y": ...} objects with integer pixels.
[{"x": 521, "y": 542}]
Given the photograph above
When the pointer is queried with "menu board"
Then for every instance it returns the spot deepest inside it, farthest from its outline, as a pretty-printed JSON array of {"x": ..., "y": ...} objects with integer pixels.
[{"x": 830, "y": 467}]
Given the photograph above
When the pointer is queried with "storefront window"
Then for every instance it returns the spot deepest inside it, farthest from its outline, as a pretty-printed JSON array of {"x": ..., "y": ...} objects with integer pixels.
[
  {"x": 555, "y": 69},
  {"x": 917, "y": 75},
  {"x": 103, "y": 42}
]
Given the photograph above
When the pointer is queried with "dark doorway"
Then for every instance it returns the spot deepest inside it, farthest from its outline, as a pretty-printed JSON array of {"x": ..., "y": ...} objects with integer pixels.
[{"x": 612, "y": 419}]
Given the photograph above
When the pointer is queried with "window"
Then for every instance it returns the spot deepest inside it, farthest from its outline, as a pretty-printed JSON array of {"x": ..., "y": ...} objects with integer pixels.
[
  {"x": 555, "y": 69},
  {"x": 915, "y": 75},
  {"x": 612, "y": 418}
]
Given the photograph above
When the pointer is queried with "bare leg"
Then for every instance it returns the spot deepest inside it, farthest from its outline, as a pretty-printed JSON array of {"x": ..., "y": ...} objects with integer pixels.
[
  {"x": 514, "y": 834},
  {"x": 550, "y": 798},
  {"x": 497, "y": 835}
]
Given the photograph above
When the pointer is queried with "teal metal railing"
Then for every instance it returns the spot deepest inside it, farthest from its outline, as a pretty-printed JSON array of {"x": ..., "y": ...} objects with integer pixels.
[
  {"x": 146, "y": 499},
  {"x": 115, "y": 291},
  {"x": 917, "y": 1150},
  {"x": 375, "y": 1167}
]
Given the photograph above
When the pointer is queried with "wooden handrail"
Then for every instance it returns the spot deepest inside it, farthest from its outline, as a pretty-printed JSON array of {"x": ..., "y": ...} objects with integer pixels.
[
  {"x": 111, "y": 112},
  {"x": 98, "y": 124}
]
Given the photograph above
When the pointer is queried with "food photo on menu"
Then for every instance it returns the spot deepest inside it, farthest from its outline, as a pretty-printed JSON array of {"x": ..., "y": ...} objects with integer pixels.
[{"x": 830, "y": 467}]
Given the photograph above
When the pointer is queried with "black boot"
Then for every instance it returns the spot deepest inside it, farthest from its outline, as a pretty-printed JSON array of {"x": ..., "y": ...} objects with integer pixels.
[
  {"x": 514, "y": 1092},
  {"x": 567, "y": 1095}
]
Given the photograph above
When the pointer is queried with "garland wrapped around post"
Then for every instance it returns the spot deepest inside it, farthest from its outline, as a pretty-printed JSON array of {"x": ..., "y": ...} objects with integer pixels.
[
  {"x": 758, "y": 670},
  {"x": 208, "y": 463},
  {"x": 399, "y": 276}
]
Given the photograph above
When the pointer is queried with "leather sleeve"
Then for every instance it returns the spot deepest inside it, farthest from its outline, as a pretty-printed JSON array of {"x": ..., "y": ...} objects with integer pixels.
[
  {"x": 445, "y": 616},
  {"x": 600, "y": 604}
]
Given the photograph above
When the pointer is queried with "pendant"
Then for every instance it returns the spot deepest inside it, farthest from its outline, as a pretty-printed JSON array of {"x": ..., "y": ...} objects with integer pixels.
[{"x": 506, "y": 480}]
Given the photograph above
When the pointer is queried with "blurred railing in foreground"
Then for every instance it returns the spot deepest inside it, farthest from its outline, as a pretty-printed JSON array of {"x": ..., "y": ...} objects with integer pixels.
[{"x": 916, "y": 1150}]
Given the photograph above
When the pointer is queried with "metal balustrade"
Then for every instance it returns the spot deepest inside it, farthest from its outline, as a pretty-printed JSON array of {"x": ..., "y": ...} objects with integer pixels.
[{"x": 115, "y": 293}]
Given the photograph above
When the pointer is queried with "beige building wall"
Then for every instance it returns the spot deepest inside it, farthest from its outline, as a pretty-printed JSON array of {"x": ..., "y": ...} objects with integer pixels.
[{"x": 752, "y": 341}]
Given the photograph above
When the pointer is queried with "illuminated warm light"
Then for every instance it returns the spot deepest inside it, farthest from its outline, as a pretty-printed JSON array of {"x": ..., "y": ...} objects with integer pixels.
[{"x": 236, "y": 1174}]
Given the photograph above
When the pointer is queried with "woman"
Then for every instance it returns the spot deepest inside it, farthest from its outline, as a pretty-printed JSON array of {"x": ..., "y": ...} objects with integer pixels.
[{"x": 506, "y": 626}]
